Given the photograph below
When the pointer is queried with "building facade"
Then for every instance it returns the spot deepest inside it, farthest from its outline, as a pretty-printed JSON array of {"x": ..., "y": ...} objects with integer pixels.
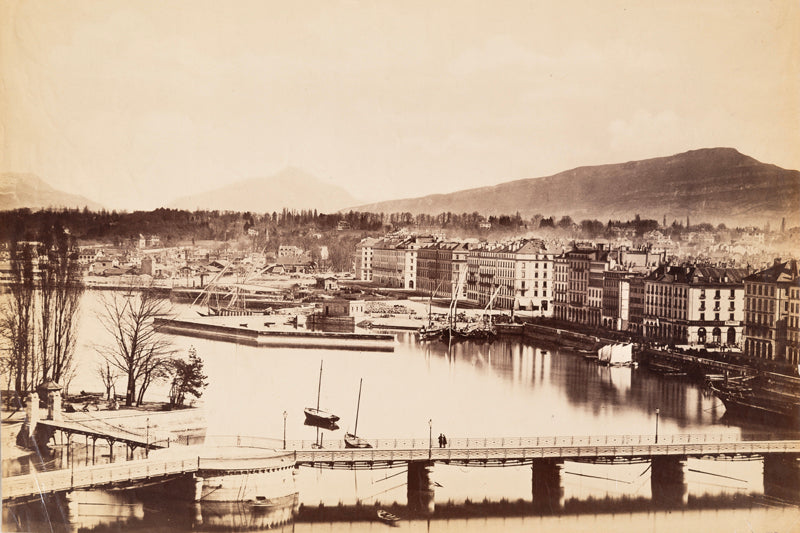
[
  {"x": 767, "y": 312},
  {"x": 364, "y": 255}
]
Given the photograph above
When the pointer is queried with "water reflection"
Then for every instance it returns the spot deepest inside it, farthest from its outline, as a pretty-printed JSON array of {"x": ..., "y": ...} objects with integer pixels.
[
  {"x": 101, "y": 511},
  {"x": 507, "y": 388}
]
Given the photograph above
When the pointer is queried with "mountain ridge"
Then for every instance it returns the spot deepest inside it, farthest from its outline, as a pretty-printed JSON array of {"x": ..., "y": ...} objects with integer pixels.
[
  {"x": 718, "y": 184},
  {"x": 293, "y": 187},
  {"x": 25, "y": 190}
]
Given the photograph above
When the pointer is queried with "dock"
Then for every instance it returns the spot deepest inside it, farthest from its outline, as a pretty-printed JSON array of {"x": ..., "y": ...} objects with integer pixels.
[{"x": 264, "y": 333}]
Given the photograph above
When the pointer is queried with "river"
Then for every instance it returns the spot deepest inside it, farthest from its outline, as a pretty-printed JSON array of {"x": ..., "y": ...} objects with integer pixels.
[{"x": 508, "y": 388}]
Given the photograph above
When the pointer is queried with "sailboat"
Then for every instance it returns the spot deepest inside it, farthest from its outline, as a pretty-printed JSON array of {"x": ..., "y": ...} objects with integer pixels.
[
  {"x": 430, "y": 332},
  {"x": 316, "y": 416},
  {"x": 351, "y": 440},
  {"x": 451, "y": 332}
]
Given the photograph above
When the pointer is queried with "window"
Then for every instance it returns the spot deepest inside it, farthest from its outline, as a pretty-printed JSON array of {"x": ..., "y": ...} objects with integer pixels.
[{"x": 702, "y": 316}]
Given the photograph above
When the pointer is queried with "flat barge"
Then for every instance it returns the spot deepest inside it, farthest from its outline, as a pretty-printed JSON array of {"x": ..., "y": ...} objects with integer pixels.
[{"x": 245, "y": 333}]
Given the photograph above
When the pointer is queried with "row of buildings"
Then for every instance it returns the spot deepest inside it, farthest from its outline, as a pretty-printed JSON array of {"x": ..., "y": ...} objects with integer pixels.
[{"x": 623, "y": 289}]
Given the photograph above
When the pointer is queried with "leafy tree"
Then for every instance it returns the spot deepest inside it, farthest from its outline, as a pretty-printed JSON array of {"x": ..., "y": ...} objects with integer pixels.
[{"x": 187, "y": 378}]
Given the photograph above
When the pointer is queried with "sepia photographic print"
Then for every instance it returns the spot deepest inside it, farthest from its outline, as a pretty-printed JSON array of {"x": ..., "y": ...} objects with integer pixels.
[{"x": 351, "y": 265}]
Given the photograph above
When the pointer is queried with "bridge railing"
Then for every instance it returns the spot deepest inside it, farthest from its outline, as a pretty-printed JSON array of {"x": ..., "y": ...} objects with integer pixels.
[
  {"x": 368, "y": 458},
  {"x": 533, "y": 442},
  {"x": 88, "y": 476}
]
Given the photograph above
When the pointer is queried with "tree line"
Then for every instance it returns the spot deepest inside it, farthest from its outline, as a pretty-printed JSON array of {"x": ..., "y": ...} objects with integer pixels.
[
  {"x": 39, "y": 325},
  {"x": 175, "y": 226},
  {"x": 38, "y": 318}
]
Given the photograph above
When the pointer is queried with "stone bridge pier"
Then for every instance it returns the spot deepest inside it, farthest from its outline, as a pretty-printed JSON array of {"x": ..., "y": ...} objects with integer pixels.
[
  {"x": 782, "y": 477},
  {"x": 419, "y": 488},
  {"x": 668, "y": 484},
  {"x": 548, "y": 492}
]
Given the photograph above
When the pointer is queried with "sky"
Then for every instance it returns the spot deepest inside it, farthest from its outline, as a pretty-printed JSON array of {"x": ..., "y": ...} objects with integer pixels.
[{"x": 135, "y": 103}]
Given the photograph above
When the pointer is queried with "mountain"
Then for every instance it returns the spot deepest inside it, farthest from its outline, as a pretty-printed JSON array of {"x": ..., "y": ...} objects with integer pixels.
[
  {"x": 28, "y": 190},
  {"x": 710, "y": 185},
  {"x": 291, "y": 188}
]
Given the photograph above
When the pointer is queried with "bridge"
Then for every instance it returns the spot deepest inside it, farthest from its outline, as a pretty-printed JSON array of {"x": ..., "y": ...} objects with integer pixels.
[{"x": 545, "y": 455}]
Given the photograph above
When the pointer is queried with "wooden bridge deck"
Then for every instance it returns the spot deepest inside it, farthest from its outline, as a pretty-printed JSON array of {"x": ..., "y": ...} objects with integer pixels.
[
  {"x": 396, "y": 452},
  {"x": 114, "y": 434}
]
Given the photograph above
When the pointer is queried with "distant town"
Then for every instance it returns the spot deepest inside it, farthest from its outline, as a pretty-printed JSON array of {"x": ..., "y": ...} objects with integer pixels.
[{"x": 729, "y": 289}]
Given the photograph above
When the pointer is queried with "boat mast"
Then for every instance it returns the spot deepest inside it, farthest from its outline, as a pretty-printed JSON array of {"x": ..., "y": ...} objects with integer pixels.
[
  {"x": 319, "y": 387},
  {"x": 358, "y": 407}
]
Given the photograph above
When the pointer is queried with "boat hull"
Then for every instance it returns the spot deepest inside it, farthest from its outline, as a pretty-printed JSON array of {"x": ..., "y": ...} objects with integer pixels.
[
  {"x": 759, "y": 408},
  {"x": 351, "y": 441},
  {"x": 319, "y": 417}
]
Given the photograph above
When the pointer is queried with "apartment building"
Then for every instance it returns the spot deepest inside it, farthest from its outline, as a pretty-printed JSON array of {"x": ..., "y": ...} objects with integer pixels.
[
  {"x": 695, "y": 305},
  {"x": 768, "y": 296},
  {"x": 364, "y": 255}
]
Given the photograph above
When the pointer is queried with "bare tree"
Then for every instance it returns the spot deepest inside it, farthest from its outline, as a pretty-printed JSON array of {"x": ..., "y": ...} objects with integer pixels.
[
  {"x": 136, "y": 348},
  {"x": 17, "y": 319},
  {"x": 67, "y": 293},
  {"x": 109, "y": 374}
]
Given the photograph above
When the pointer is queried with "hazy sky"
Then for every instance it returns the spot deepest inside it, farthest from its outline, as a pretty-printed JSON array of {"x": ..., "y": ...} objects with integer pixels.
[{"x": 134, "y": 103}]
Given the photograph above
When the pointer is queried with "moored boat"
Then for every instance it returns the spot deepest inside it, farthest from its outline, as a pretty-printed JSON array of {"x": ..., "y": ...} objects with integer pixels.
[
  {"x": 430, "y": 333},
  {"x": 316, "y": 416},
  {"x": 351, "y": 440},
  {"x": 387, "y": 517},
  {"x": 754, "y": 397}
]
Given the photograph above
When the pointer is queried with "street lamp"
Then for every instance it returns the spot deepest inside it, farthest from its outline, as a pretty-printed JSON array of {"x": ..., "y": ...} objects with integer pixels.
[
  {"x": 284, "y": 429},
  {"x": 658, "y": 411},
  {"x": 147, "y": 439},
  {"x": 430, "y": 435}
]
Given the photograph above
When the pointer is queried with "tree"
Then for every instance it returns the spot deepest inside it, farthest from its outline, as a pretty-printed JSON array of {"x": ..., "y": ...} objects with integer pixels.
[
  {"x": 109, "y": 374},
  {"x": 17, "y": 319},
  {"x": 136, "y": 348},
  {"x": 187, "y": 378},
  {"x": 60, "y": 291}
]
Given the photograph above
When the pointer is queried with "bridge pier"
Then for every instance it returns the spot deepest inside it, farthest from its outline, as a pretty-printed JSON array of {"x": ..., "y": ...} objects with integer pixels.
[
  {"x": 668, "y": 484},
  {"x": 32, "y": 414},
  {"x": 419, "y": 488},
  {"x": 782, "y": 477},
  {"x": 548, "y": 492}
]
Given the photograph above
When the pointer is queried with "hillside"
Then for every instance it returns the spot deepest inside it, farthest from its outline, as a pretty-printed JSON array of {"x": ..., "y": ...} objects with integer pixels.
[
  {"x": 28, "y": 190},
  {"x": 291, "y": 188},
  {"x": 713, "y": 185}
]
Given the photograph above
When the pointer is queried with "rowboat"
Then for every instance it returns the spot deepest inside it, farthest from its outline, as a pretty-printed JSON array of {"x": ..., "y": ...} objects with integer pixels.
[{"x": 387, "y": 517}]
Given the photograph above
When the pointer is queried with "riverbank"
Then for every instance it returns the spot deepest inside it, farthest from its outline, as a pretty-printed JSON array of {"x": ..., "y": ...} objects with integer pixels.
[{"x": 178, "y": 426}]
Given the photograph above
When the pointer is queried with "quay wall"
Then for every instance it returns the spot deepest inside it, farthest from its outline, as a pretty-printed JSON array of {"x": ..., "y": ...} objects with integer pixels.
[{"x": 294, "y": 338}]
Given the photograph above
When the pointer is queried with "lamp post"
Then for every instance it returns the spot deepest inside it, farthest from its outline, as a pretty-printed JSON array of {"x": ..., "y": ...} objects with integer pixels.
[
  {"x": 430, "y": 437},
  {"x": 284, "y": 430},
  {"x": 147, "y": 439},
  {"x": 658, "y": 411}
]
